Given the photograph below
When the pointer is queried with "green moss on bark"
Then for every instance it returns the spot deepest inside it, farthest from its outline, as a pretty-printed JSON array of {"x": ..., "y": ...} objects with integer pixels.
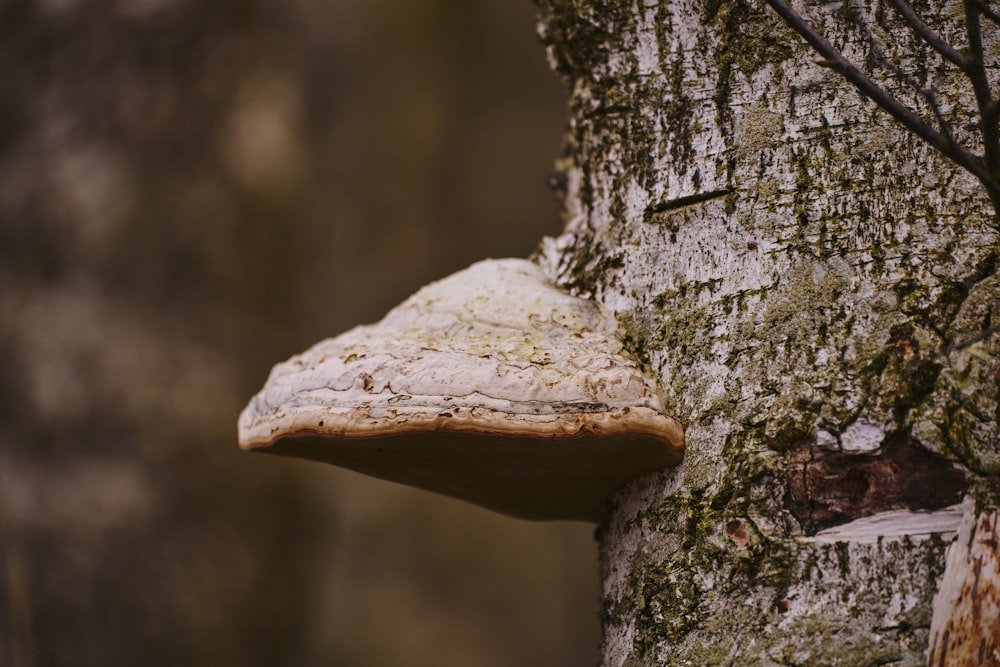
[{"x": 830, "y": 281}]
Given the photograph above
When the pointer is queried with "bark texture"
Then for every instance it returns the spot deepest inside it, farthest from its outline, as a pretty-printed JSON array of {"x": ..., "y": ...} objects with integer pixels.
[
  {"x": 816, "y": 290},
  {"x": 963, "y": 630}
]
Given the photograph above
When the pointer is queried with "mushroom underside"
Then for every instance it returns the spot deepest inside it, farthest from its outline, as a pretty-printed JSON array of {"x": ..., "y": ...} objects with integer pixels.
[{"x": 570, "y": 478}]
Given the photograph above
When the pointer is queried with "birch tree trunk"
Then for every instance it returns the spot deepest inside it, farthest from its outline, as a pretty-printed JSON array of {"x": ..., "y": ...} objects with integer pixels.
[{"x": 817, "y": 290}]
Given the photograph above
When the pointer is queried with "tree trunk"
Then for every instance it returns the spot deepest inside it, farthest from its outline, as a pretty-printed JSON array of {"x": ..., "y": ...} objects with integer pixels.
[{"x": 817, "y": 290}]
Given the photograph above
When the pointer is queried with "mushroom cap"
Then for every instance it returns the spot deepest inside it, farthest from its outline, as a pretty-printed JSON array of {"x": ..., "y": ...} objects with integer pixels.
[{"x": 491, "y": 385}]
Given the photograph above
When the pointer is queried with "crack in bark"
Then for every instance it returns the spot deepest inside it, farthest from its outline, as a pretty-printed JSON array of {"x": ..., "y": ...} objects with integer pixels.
[{"x": 688, "y": 200}]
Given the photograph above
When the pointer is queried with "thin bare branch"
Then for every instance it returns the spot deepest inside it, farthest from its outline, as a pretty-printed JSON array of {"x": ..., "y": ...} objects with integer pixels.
[
  {"x": 947, "y": 51},
  {"x": 961, "y": 345},
  {"x": 988, "y": 11},
  {"x": 868, "y": 88},
  {"x": 989, "y": 117},
  {"x": 880, "y": 59},
  {"x": 936, "y": 110},
  {"x": 927, "y": 95}
]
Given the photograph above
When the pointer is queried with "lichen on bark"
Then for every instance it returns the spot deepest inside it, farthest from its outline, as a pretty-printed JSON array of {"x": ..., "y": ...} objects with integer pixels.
[{"x": 802, "y": 274}]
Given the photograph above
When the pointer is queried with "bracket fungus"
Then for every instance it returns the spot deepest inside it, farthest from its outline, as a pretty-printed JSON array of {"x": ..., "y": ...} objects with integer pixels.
[{"x": 491, "y": 385}]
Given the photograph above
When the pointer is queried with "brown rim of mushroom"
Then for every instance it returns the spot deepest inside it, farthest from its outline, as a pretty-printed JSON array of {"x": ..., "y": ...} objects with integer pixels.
[{"x": 490, "y": 385}]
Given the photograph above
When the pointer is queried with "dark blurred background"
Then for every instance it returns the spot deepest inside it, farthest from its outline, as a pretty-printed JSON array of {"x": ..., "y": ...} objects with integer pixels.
[{"x": 190, "y": 192}]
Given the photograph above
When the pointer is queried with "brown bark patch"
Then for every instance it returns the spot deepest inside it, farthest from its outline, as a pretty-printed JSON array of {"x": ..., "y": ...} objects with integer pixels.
[
  {"x": 828, "y": 488},
  {"x": 737, "y": 532}
]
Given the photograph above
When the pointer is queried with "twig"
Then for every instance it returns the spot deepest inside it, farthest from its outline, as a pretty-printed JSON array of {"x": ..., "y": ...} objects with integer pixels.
[
  {"x": 987, "y": 11},
  {"x": 976, "y": 165},
  {"x": 989, "y": 112},
  {"x": 947, "y": 51},
  {"x": 881, "y": 60}
]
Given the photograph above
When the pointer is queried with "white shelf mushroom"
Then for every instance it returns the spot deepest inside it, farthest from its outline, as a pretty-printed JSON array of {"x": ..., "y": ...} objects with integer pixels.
[{"x": 490, "y": 385}]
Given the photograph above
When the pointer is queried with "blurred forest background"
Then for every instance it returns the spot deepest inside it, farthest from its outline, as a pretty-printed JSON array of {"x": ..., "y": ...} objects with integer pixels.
[{"x": 189, "y": 193}]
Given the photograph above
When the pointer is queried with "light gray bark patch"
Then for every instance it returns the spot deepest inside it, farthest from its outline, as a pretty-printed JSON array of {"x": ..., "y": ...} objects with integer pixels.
[{"x": 828, "y": 488}]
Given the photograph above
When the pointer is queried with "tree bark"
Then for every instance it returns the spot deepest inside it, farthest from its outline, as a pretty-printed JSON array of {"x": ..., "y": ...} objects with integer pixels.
[{"x": 817, "y": 290}]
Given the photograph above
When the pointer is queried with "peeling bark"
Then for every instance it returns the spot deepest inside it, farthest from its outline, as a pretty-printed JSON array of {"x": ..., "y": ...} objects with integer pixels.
[
  {"x": 816, "y": 290},
  {"x": 964, "y": 629},
  {"x": 828, "y": 488}
]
